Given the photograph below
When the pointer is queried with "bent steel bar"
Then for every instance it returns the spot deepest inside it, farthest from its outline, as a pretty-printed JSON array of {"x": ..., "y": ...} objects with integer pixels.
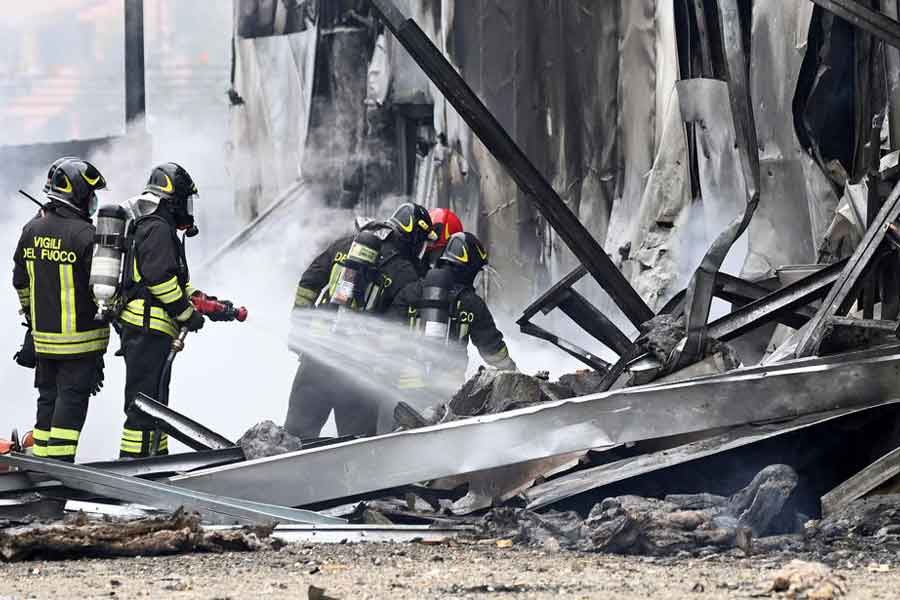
[
  {"x": 185, "y": 430},
  {"x": 870, "y": 21},
  {"x": 218, "y": 509},
  {"x": 857, "y": 265},
  {"x": 779, "y": 391},
  {"x": 507, "y": 152}
]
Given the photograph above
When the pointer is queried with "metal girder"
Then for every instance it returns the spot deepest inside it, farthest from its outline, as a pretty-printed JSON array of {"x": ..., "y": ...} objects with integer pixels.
[
  {"x": 573, "y": 350},
  {"x": 185, "y": 430},
  {"x": 151, "y": 467},
  {"x": 775, "y": 305},
  {"x": 870, "y": 21},
  {"x": 840, "y": 293},
  {"x": 702, "y": 287},
  {"x": 879, "y": 472},
  {"x": 507, "y": 152},
  {"x": 780, "y": 391},
  {"x": 580, "y": 482},
  {"x": 218, "y": 509}
]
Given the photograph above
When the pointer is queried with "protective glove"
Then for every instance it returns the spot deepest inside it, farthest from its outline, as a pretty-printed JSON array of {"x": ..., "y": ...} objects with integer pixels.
[
  {"x": 98, "y": 376},
  {"x": 194, "y": 322},
  {"x": 26, "y": 356}
]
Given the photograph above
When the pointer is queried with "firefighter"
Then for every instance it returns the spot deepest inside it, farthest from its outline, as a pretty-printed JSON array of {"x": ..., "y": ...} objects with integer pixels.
[
  {"x": 51, "y": 272},
  {"x": 445, "y": 307},
  {"x": 156, "y": 290},
  {"x": 320, "y": 386},
  {"x": 446, "y": 224}
]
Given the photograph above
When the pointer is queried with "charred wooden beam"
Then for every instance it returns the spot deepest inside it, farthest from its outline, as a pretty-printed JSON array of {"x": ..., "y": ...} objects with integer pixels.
[{"x": 507, "y": 152}]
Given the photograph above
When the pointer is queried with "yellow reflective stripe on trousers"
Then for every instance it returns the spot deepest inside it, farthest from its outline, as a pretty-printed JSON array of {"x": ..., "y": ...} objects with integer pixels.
[
  {"x": 61, "y": 450},
  {"x": 135, "y": 435},
  {"x": 40, "y": 435},
  {"x": 132, "y": 447},
  {"x": 61, "y": 433},
  {"x": 39, "y": 451},
  {"x": 67, "y": 299},
  {"x": 29, "y": 265}
]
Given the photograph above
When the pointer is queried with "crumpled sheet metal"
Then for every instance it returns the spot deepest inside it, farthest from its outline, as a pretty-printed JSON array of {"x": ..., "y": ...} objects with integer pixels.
[
  {"x": 796, "y": 199},
  {"x": 602, "y": 420}
]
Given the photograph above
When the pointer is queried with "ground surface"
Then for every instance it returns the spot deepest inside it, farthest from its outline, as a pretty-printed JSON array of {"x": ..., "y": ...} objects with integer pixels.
[{"x": 407, "y": 571}]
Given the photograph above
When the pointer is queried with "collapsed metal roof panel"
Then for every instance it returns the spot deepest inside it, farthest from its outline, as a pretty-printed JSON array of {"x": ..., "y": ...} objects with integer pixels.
[{"x": 778, "y": 391}]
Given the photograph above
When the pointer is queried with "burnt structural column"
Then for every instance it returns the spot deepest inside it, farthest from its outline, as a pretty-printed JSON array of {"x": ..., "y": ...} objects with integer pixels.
[{"x": 135, "y": 95}]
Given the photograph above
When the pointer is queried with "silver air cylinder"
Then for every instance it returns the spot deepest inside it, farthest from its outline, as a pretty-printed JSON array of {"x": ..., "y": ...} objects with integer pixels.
[
  {"x": 109, "y": 249},
  {"x": 434, "y": 308}
]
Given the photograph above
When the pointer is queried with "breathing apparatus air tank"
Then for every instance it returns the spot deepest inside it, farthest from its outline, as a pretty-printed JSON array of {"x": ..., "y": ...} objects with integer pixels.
[
  {"x": 106, "y": 264},
  {"x": 434, "y": 307},
  {"x": 356, "y": 288}
]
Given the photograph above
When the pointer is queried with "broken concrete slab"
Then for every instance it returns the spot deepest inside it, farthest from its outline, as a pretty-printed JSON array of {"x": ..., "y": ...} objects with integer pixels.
[{"x": 781, "y": 391}]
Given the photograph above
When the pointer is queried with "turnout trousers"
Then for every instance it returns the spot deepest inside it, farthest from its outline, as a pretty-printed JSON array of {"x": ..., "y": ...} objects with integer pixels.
[
  {"x": 64, "y": 388},
  {"x": 145, "y": 357},
  {"x": 317, "y": 389}
]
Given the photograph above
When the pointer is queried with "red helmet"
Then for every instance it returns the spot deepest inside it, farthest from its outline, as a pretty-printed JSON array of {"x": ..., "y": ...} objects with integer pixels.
[{"x": 445, "y": 223}]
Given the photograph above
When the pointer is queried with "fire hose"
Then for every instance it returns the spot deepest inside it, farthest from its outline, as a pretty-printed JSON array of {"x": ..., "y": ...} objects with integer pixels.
[{"x": 205, "y": 305}]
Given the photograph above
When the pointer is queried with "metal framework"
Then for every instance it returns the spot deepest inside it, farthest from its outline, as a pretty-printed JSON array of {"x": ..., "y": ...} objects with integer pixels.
[
  {"x": 217, "y": 509},
  {"x": 507, "y": 152},
  {"x": 780, "y": 391},
  {"x": 185, "y": 430},
  {"x": 870, "y": 21}
]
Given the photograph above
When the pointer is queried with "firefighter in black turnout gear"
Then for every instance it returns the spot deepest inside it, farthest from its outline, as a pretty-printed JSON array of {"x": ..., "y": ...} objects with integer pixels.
[
  {"x": 156, "y": 289},
  {"x": 385, "y": 255},
  {"x": 51, "y": 272},
  {"x": 444, "y": 307}
]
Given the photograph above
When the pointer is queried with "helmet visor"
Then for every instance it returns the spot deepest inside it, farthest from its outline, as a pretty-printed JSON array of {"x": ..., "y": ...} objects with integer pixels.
[{"x": 189, "y": 205}]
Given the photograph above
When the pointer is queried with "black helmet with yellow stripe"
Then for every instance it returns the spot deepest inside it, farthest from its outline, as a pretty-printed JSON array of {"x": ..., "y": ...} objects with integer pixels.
[
  {"x": 74, "y": 182},
  {"x": 412, "y": 225},
  {"x": 52, "y": 170},
  {"x": 466, "y": 255},
  {"x": 176, "y": 189}
]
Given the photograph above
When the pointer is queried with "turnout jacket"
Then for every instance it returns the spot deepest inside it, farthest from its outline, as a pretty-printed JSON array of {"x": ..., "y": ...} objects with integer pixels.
[
  {"x": 157, "y": 285},
  {"x": 51, "y": 273},
  {"x": 470, "y": 319},
  {"x": 396, "y": 272}
]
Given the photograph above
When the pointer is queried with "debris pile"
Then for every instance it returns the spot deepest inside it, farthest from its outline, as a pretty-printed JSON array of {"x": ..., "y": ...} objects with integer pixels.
[
  {"x": 80, "y": 537},
  {"x": 268, "y": 439},
  {"x": 647, "y": 526}
]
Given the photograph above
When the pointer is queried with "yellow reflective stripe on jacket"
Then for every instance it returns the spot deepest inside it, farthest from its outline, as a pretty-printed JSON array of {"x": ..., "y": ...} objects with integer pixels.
[
  {"x": 185, "y": 314},
  {"x": 189, "y": 289},
  {"x": 305, "y": 297},
  {"x": 68, "y": 349},
  {"x": 71, "y": 343},
  {"x": 29, "y": 265},
  {"x": 159, "y": 318},
  {"x": 61, "y": 433},
  {"x": 24, "y": 298},
  {"x": 67, "y": 299},
  {"x": 168, "y": 291}
]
